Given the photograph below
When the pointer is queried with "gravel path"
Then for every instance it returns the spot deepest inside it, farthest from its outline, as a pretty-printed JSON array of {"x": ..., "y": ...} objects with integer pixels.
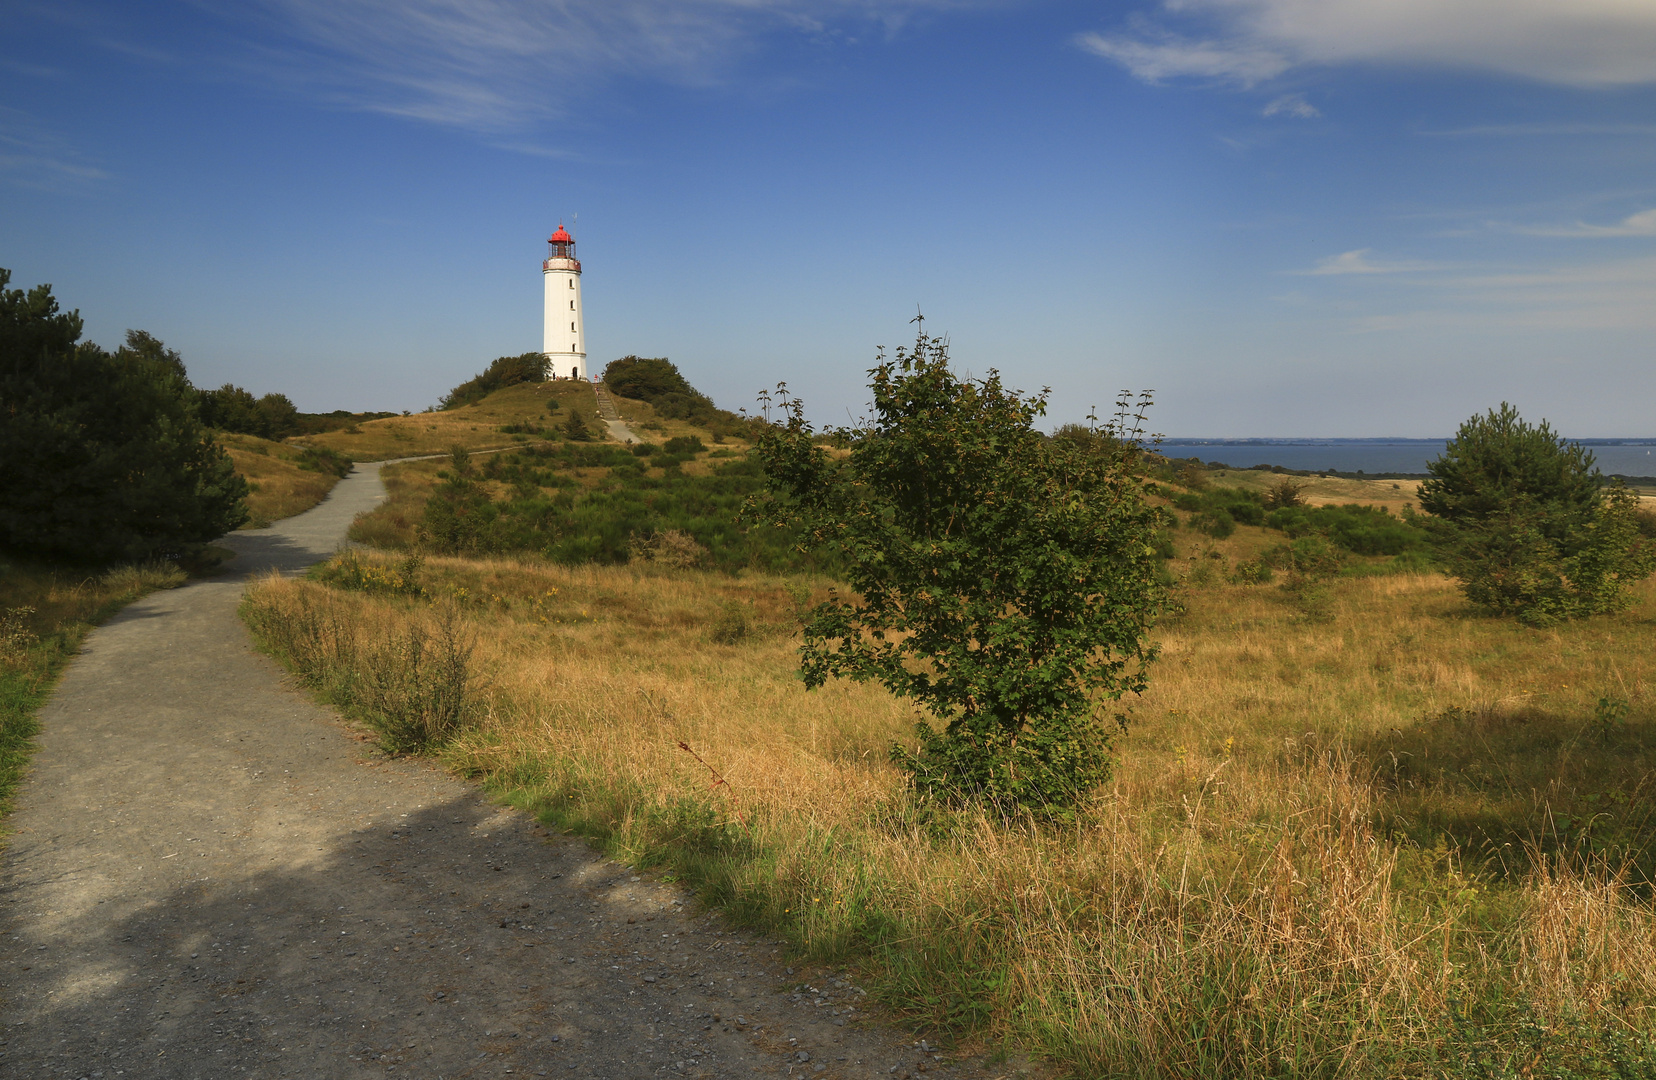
[{"x": 211, "y": 876}]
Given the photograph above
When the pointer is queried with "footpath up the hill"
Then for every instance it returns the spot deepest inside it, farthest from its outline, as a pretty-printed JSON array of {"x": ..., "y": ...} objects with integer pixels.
[{"x": 212, "y": 876}]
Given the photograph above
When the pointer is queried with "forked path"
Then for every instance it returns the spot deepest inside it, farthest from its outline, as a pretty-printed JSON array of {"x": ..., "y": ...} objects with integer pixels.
[{"x": 211, "y": 876}]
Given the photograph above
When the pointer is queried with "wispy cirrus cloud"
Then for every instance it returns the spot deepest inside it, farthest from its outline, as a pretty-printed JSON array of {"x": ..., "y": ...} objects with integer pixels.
[
  {"x": 1358, "y": 262},
  {"x": 499, "y": 65},
  {"x": 33, "y": 156},
  {"x": 1293, "y": 105},
  {"x": 1590, "y": 43},
  {"x": 1157, "y": 57},
  {"x": 1642, "y": 223},
  {"x": 1544, "y": 130},
  {"x": 1611, "y": 294}
]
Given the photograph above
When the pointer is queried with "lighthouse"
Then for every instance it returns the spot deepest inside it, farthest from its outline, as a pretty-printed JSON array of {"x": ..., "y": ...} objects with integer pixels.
[{"x": 565, "y": 339}]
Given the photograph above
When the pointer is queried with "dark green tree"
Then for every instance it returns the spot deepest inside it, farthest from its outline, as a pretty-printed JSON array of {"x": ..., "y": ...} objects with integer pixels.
[
  {"x": 278, "y": 416},
  {"x": 105, "y": 456},
  {"x": 1527, "y": 523},
  {"x": 656, "y": 380},
  {"x": 575, "y": 427},
  {"x": 1004, "y": 581},
  {"x": 230, "y": 408},
  {"x": 504, "y": 371}
]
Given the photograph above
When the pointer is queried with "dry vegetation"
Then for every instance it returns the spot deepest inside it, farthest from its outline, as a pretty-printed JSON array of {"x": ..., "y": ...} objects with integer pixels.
[
  {"x": 476, "y": 427},
  {"x": 1368, "y": 832},
  {"x": 651, "y": 426},
  {"x": 280, "y": 488}
]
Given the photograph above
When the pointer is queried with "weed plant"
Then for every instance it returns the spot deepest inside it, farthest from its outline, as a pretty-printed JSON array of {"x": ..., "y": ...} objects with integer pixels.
[
  {"x": 412, "y": 682},
  {"x": 1407, "y": 840}
]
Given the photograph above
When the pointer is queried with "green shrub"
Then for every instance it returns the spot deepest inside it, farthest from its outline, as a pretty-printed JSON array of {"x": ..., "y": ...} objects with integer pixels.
[
  {"x": 733, "y": 624},
  {"x": 1363, "y": 530},
  {"x": 1002, "y": 580},
  {"x": 644, "y": 449},
  {"x": 503, "y": 372},
  {"x": 1216, "y": 523},
  {"x": 347, "y": 570},
  {"x": 657, "y": 380},
  {"x": 1523, "y": 519},
  {"x": 1283, "y": 494},
  {"x": 684, "y": 445},
  {"x": 575, "y": 427},
  {"x": 1308, "y": 557},
  {"x": 320, "y": 459}
]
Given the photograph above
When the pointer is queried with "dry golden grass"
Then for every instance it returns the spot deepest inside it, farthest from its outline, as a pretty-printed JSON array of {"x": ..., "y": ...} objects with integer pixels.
[
  {"x": 1394, "y": 495},
  {"x": 651, "y": 426},
  {"x": 1300, "y": 868},
  {"x": 280, "y": 488},
  {"x": 476, "y": 427}
]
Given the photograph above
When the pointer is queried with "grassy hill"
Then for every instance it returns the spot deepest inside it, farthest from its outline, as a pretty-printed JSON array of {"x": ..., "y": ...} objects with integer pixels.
[
  {"x": 476, "y": 426},
  {"x": 284, "y": 479}
]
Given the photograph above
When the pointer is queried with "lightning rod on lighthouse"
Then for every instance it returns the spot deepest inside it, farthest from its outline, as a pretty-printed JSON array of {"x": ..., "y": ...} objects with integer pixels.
[{"x": 564, "y": 342}]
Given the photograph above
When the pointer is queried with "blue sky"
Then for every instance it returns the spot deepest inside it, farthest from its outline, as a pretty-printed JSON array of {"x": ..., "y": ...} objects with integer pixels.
[{"x": 1287, "y": 217}]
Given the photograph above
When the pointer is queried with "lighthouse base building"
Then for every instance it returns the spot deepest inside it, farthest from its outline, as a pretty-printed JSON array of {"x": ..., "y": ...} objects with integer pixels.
[{"x": 565, "y": 340}]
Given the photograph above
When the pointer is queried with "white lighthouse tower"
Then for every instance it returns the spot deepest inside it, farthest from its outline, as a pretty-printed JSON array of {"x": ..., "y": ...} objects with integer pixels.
[{"x": 565, "y": 339}]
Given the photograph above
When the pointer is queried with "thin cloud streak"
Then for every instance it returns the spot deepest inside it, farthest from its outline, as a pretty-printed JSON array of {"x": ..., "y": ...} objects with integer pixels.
[
  {"x": 1587, "y": 43},
  {"x": 1542, "y": 130},
  {"x": 497, "y": 66},
  {"x": 1615, "y": 294},
  {"x": 1293, "y": 105},
  {"x": 1358, "y": 262},
  {"x": 1641, "y": 224},
  {"x": 1170, "y": 57},
  {"x": 33, "y": 157}
]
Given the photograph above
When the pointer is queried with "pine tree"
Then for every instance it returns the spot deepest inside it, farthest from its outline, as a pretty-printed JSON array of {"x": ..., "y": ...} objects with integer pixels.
[{"x": 105, "y": 455}]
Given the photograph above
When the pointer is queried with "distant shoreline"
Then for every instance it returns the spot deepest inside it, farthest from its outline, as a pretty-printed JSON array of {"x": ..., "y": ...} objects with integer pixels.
[
  {"x": 1642, "y": 440},
  {"x": 1632, "y": 459}
]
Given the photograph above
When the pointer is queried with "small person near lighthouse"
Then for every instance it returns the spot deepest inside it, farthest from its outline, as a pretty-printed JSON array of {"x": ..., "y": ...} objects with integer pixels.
[{"x": 565, "y": 339}]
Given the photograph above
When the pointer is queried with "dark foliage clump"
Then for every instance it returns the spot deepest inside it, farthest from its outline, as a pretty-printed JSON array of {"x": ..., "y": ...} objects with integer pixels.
[
  {"x": 1217, "y": 511},
  {"x": 1526, "y": 522},
  {"x": 323, "y": 460},
  {"x": 657, "y": 381},
  {"x": 685, "y": 445},
  {"x": 503, "y": 372},
  {"x": 230, "y": 408},
  {"x": 1362, "y": 530},
  {"x": 104, "y": 454}
]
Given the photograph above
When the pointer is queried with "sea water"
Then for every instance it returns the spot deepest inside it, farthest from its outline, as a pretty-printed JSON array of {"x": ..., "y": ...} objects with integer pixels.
[{"x": 1621, "y": 457}]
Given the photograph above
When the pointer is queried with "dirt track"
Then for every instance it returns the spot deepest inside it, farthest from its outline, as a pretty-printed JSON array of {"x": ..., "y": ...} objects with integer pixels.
[{"x": 211, "y": 876}]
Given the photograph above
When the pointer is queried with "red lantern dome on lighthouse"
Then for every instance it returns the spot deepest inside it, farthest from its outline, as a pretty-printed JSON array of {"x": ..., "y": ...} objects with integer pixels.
[{"x": 560, "y": 244}]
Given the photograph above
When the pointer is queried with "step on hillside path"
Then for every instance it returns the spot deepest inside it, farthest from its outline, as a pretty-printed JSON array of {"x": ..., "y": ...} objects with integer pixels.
[
  {"x": 209, "y": 875},
  {"x": 611, "y": 417}
]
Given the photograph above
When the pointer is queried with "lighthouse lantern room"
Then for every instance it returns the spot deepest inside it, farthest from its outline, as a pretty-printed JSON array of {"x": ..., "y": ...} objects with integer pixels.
[{"x": 565, "y": 338}]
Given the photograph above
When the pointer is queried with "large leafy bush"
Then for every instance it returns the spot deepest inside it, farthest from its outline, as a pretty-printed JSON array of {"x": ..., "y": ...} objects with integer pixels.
[{"x": 1003, "y": 580}]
